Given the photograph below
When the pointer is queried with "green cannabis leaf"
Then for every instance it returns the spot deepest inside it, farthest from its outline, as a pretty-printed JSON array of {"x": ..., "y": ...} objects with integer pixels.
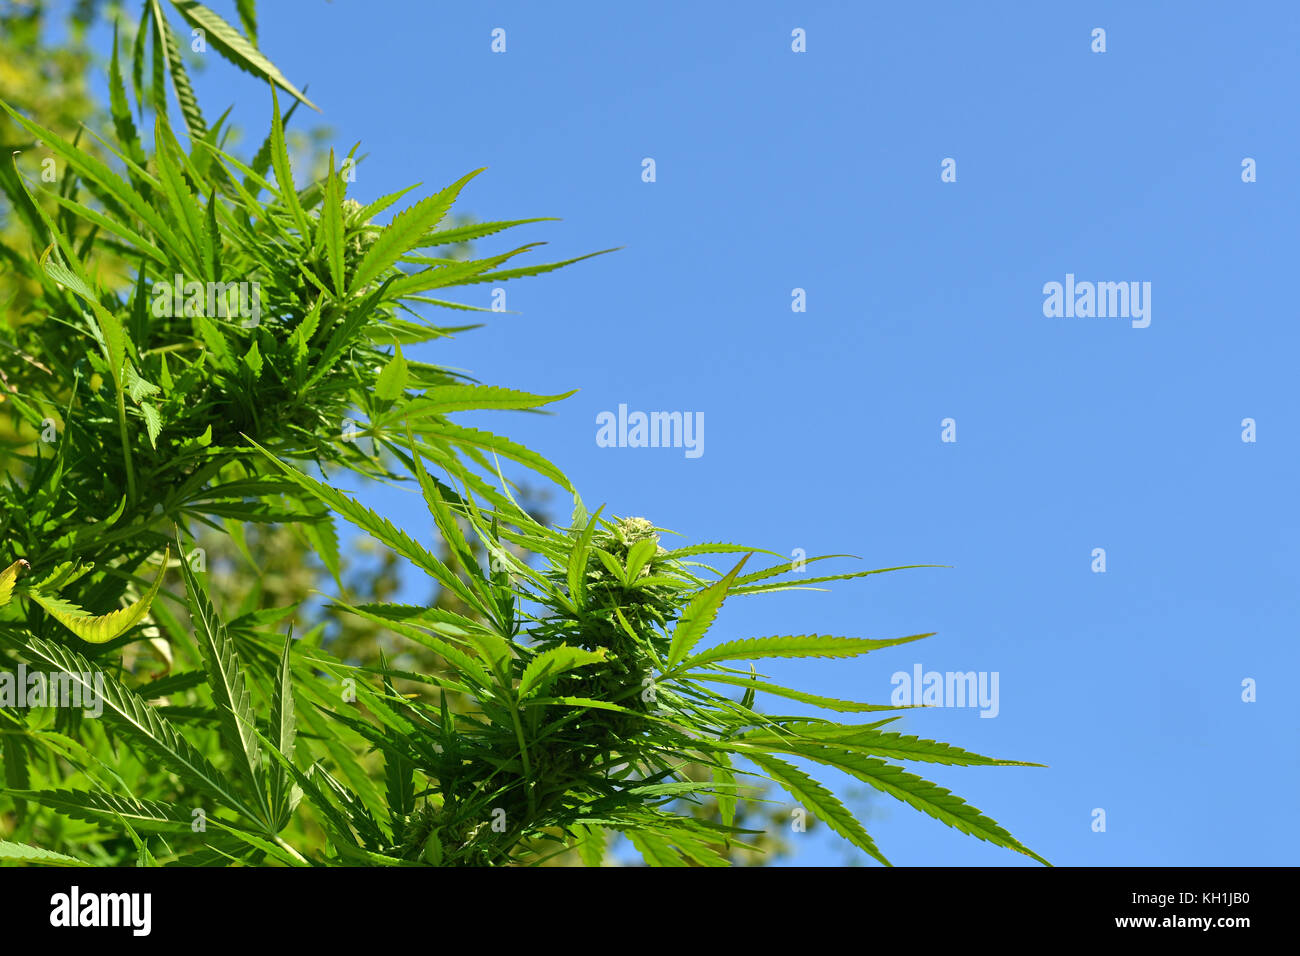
[{"x": 205, "y": 351}]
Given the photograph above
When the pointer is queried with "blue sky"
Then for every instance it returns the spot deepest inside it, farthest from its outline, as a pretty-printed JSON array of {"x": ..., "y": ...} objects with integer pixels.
[{"x": 820, "y": 170}]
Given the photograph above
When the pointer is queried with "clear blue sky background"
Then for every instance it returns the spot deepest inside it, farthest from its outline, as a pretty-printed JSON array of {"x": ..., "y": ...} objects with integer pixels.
[{"x": 821, "y": 170}]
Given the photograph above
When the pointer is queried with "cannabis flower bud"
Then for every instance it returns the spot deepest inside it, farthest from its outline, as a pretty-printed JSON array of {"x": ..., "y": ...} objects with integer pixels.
[
  {"x": 350, "y": 209},
  {"x": 631, "y": 530}
]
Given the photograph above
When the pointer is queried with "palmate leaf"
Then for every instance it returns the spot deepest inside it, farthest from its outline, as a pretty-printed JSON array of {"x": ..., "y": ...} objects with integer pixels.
[
  {"x": 445, "y": 273},
  {"x": 425, "y": 333},
  {"x": 576, "y": 572},
  {"x": 283, "y": 721},
  {"x": 107, "y": 186},
  {"x": 121, "y": 110},
  {"x": 272, "y": 850},
  {"x": 369, "y": 211},
  {"x": 7, "y": 578},
  {"x": 830, "y": 703},
  {"x": 503, "y": 275},
  {"x": 399, "y": 770},
  {"x": 185, "y": 211},
  {"x": 261, "y": 161},
  {"x": 107, "y": 808},
  {"x": 354, "y": 803},
  {"x": 236, "y": 48},
  {"x": 168, "y": 51},
  {"x": 334, "y": 822},
  {"x": 344, "y": 335},
  {"x": 64, "y": 574},
  {"x": 679, "y": 788},
  {"x": 742, "y": 587},
  {"x": 14, "y": 751},
  {"x": 919, "y": 793},
  {"x": 690, "y": 846},
  {"x": 363, "y": 802},
  {"x": 471, "y": 231},
  {"x": 13, "y": 187},
  {"x": 112, "y": 336},
  {"x": 51, "y": 230},
  {"x": 152, "y": 422},
  {"x": 253, "y": 360},
  {"x": 226, "y": 681},
  {"x": 591, "y": 703},
  {"x": 99, "y": 629},
  {"x": 716, "y": 547},
  {"x": 725, "y": 779},
  {"x": 380, "y": 528},
  {"x": 454, "y": 537},
  {"x": 476, "y": 438},
  {"x": 247, "y": 11},
  {"x": 465, "y": 665},
  {"x": 590, "y": 844},
  {"x": 819, "y": 801},
  {"x": 35, "y": 854},
  {"x": 699, "y": 616},
  {"x": 138, "y": 387},
  {"x": 137, "y": 242},
  {"x": 137, "y": 56},
  {"x": 439, "y": 619},
  {"x": 654, "y": 849},
  {"x": 331, "y": 228},
  {"x": 283, "y": 173},
  {"x": 886, "y": 744},
  {"x": 284, "y": 729},
  {"x": 551, "y": 663},
  {"x": 158, "y": 75},
  {"x": 404, "y": 232},
  {"x": 638, "y": 557},
  {"x": 143, "y": 723},
  {"x": 392, "y": 380},
  {"x": 803, "y": 645},
  {"x": 443, "y": 399}
]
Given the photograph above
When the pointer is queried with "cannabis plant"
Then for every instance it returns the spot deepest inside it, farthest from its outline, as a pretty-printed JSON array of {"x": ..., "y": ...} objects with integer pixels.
[{"x": 209, "y": 343}]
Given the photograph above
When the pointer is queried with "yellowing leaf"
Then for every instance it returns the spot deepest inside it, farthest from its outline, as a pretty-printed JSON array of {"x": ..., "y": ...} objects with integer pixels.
[
  {"x": 7, "y": 578},
  {"x": 104, "y": 627}
]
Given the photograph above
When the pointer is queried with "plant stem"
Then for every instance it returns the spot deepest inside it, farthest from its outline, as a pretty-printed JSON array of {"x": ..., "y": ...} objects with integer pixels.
[
  {"x": 523, "y": 756},
  {"x": 126, "y": 445},
  {"x": 280, "y": 841}
]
